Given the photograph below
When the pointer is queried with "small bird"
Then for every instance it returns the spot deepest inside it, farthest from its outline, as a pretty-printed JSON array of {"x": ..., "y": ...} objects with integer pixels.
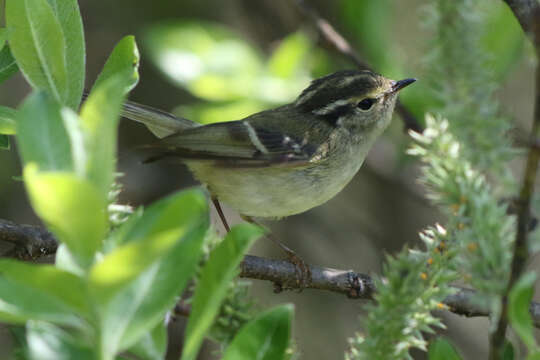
[{"x": 286, "y": 160}]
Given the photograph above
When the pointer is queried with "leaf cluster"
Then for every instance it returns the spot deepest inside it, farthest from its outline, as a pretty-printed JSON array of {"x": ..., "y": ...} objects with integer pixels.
[{"x": 117, "y": 272}]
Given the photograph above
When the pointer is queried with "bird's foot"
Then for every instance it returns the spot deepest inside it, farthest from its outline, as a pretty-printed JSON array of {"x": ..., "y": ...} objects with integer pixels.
[{"x": 301, "y": 268}]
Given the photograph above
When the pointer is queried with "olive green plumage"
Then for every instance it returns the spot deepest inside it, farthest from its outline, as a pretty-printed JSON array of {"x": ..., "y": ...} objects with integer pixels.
[{"x": 286, "y": 160}]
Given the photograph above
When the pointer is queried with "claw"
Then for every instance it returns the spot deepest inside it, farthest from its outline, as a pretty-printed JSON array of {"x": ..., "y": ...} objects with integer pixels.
[{"x": 301, "y": 268}]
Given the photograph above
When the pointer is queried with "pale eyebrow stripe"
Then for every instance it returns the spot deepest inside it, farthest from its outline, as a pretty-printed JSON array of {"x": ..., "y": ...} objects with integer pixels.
[
  {"x": 330, "y": 107},
  {"x": 254, "y": 138}
]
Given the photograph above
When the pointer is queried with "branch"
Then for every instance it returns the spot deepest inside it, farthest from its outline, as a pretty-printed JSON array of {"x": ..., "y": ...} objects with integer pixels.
[
  {"x": 342, "y": 46},
  {"x": 284, "y": 276},
  {"x": 527, "y": 13},
  {"x": 28, "y": 241},
  {"x": 32, "y": 242},
  {"x": 353, "y": 285}
]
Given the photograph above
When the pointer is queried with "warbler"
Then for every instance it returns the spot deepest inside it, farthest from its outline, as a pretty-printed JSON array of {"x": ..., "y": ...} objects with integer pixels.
[{"x": 286, "y": 160}]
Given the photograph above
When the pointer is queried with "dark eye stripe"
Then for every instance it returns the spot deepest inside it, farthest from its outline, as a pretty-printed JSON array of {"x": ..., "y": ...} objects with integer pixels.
[
  {"x": 366, "y": 104},
  {"x": 333, "y": 116}
]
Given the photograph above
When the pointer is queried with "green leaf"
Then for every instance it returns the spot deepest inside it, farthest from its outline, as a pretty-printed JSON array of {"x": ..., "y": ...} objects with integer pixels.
[
  {"x": 372, "y": 24},
  {"x": 61, "y": 294},
  {"x": 207, "y": 113},
  {"x": 138, "y": 282},
  {"x": 8, "y": 65},
  {"x": 207, "y": 59},
  {"x": 123, "y": 60},
  {"x": 3, "y": 37},
  {"x": 508, "y": 351},
  {"x": 65, "y": 260},
  {"x": 152, "y": 345},
  {"x": 212, "y": 287},
  {"x": 265, "y": 338},
  {"x": 68, "y": 15},
  {"x": 519, "y": 301},
  {"x": 55, "y": 59},
  {"x": 49, "y": 342},
  {"x": 7, "y": 120},
  {"x": 4, "y": 142},
  {"x": 502, "y": 37},
  {"x": 39, "y": 46},
  {"x": 441, "y": 349},
  {"x": 71, "y": 207},
  {"x": 289, "y": 59},
  {"x": 101, "y": 112},
  {"x": 46, "y": 135}
]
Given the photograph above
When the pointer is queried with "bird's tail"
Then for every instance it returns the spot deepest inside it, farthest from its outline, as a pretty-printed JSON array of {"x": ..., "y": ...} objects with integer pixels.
[{"x": 159, "y": 122}]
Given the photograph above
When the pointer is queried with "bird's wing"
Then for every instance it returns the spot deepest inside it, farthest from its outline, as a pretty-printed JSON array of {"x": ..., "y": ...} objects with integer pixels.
[{"x": 240, "y": 143}]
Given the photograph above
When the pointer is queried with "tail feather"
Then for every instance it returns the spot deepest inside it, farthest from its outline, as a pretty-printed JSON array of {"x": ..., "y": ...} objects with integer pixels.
[{"x": 159, "y": 122}]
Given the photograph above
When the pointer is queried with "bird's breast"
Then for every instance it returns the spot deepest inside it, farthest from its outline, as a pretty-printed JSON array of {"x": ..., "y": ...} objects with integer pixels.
[{"x": 277, "y": 192}]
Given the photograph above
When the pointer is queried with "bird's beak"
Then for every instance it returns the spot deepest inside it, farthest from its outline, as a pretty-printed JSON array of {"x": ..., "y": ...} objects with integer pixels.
[{"x": 400, "y": 84}]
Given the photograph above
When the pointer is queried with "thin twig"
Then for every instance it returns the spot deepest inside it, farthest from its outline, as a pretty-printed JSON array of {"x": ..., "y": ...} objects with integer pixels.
[
  {"x": 342, "y": 46},
  {"x": 284, "y": 276},
  {"x": 528, "y": 14}
]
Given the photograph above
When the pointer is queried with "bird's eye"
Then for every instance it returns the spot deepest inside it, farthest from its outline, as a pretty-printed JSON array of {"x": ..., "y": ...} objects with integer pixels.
[{"x": 366, "y": 104}]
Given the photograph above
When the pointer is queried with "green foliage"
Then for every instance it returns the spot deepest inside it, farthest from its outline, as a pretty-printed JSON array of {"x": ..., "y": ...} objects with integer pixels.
[
  {"x": 57, "y": 196},
  {"x": 371, "y": 22},
  {"x": 414, "y": 284},
  {"x": 50, "y": 342},
  {"x": 266, "y": 337},
  {"x": 217, "y": 65},
  {"x": 61, "y": 295},
  {"x": 137, "y": 283},
  {"x": 500, "y": 37},
  {"x": 476, "y": 243},
  {"x": 109, "y": 290},
  {"x": 236, "y": 310},
  {"x": 3, "y": 38},
  {"x": 213, "y": 284},
  {"x": 100, "y": 113},
  {"x": 518, "y": 311},
  {"x": 481, "y": 230},
  {"x": 7, "y": 120},
  {"x": 67, "y": 14},
  {"x": 118, "y": 272},
  {"x": 462, "y": 83},
  {"x": 152, "y": 345},
  {"x": 8, "y": 65},
  {"x": 4, "y": 142},
  {"x": 44, "y": 136},
  {"x": 48, "y": 44},
  {"x": 441, "y": 349},
  {"x": 208, "y": 59}
]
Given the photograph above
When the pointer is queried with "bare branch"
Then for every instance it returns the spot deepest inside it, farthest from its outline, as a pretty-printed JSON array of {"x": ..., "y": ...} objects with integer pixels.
[
  {"x": 283, "y": 274},
  {"x": 354, "y": 285},
  {"x": 342, "y": 46},
  {"x": 528, "y": 14},
  {"x": 28, "y": 241}
]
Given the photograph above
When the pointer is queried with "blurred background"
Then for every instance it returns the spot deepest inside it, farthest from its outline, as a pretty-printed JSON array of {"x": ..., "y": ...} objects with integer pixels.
[{"x": 212, "y": 60}]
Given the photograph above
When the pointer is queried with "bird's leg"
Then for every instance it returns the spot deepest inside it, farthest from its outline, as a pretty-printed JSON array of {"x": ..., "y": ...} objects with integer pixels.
[
  {"x": 221, "y": 214},
  {"x": 303, "y": 272}
]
